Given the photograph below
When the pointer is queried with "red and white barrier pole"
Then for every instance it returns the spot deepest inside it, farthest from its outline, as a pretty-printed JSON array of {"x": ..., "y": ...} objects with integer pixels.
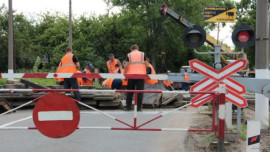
[{"x": 221, "y": 117}]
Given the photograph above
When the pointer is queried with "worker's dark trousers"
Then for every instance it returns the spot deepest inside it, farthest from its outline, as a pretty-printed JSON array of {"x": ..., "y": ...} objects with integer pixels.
[
  {"x": 117, "y": 84},
  {"x": 135, "y": 84},
  {"x": 72, "y": 83}
]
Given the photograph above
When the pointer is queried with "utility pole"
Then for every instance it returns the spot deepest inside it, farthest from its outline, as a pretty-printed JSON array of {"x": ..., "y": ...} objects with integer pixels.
[
  {"x": 70, "y": 26},
  {"x": 10, "y": 38},
  {"x": 261, "y": 61}
]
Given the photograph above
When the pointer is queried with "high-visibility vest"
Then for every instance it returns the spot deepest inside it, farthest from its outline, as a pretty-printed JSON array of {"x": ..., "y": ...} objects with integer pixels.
[
  {"x": 80, "y": 80},
  {"x": 186, "y": 77},
  {"x": 108, "y": 82},
  {"x": 124, "y": 82},
  {"x": 89, "y": 81},
  {"x": 136, "y": 63},
  {"x": 151, "y": 81},
  {"x": 58, "y": 71},
  {"x": 111, "y": 65},
  {"x": 116, "y": 70},
  {"x": 167, "y": 83},
  {"x": 67, "y": 64}
]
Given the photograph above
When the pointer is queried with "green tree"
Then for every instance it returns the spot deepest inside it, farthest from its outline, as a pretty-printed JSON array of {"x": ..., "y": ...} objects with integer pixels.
[{"x": 160, "y": 33}]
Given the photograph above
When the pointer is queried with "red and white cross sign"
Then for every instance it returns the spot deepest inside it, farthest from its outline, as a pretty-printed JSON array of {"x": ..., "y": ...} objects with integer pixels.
[
  {"x": 214, "y": 78},
  {"x": 56, "y": 115}
]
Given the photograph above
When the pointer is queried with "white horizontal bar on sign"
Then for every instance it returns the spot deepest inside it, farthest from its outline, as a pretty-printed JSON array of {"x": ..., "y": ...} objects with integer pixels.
[
  {"x": 174, "y": 129},
  {"x": 55, "y": 115}
]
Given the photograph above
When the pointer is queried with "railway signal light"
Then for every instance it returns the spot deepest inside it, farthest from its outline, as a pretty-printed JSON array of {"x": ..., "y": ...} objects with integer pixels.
[
  {"x": 194, "y": 36},
  {"x": 243, "y": 36}
]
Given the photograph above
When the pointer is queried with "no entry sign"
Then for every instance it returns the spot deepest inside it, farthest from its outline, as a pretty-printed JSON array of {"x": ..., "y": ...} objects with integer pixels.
[{"x": 56, "y": 115}]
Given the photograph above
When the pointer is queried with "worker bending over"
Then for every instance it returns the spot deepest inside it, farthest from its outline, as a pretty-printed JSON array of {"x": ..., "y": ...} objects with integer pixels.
[
  {"x": 135, "y": 64},
  {"x": 112, "y": 83}
]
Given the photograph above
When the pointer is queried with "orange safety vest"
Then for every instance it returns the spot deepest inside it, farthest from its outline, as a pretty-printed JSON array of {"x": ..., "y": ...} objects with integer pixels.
[
  {"x": 58, "y": 71},
  {"x": 80, "y": 80},
  {"x": 67, "y": 64},
  {"x": 116, "y": 70},
  {"x": 108, "y": 82},
  {"x": 136, "y": 63},
  {"x": 124, "y": 81},
  {"x": 186, "y": 78},
  {"x": 111, "y": 65},
  {"x": 167, "y": 83},
  {"x": 89, "y": 81},
  {"x": 153, "y": 71}
]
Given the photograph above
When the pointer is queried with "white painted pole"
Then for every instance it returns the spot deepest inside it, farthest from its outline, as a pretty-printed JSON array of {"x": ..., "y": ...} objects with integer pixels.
[
  {"x": 261, "y": 60},
  {"x": 253, "y": 136},
  {"x": 262, "y": 103}
]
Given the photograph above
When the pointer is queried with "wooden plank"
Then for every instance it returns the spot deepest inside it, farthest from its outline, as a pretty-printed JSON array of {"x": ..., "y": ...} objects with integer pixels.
[{"x": 5, "y": 106}]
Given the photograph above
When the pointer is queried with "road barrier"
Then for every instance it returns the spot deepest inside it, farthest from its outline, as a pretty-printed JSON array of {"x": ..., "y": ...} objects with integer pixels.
[
  {"x": 133, "y": 126},
  {"x": 84, "y": 75}
]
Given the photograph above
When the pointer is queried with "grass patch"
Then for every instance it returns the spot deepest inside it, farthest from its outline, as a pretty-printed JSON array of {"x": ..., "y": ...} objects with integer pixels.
[
  {"x": 43, "y": 82},
  {"x": 3, "y": 81},
  {"x": 97, "y": 85},
  {"x": 243, "y": 135},
  {"x": 209, "y": 139}
]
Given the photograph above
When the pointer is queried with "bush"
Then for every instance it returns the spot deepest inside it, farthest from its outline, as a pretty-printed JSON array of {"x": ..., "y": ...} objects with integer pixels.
[{"x": 36, "y": 65}]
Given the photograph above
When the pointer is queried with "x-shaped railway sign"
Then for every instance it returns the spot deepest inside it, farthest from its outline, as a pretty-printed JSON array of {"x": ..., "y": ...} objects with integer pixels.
[{"x": 215, "y": 77}]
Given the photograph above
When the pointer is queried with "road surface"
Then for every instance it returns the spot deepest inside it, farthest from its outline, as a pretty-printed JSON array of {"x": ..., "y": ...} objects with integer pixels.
[{"x": 89, "y": 140}]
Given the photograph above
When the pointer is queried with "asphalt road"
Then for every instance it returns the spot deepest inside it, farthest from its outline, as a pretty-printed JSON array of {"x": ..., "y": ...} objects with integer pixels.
[{"x": 90, "y": 140}]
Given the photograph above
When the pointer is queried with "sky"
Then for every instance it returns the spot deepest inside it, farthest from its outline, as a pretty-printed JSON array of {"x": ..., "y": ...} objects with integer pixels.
[{"x": 88, "y": 7}]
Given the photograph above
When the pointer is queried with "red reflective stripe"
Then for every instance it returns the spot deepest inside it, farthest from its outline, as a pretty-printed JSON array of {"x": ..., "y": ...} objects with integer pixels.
[
  {"x": 136, "y": 76},
  {"x": 0, "y": 75},
  {"x": 35, "y": 75}
]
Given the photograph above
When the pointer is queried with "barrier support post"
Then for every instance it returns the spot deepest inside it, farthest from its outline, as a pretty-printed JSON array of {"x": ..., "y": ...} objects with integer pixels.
[
  {"x": 135, "y": 109},
  {"x": 221, "y": 122}
]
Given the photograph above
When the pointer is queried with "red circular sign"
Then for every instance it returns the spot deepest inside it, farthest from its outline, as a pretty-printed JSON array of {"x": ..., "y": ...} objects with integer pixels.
[{"x": 56, "y": 115}]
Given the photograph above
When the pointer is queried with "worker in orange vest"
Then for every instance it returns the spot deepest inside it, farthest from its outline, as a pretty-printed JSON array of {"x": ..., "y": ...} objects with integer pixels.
[
  {"x": 112, "y": 83},
  {"x": 185, "y": 85},
  {"x": 88, "y": 81},
  {"x": 124, "y": 81},
  {"x": 70, "y": 64},
  {"x": 117, "y": 69},
  {"x": 111, "y": 63},
  {"x": 150, "y": 70},
  {"x": 59, "y": 80},
  {"x": 79, "y": 80},
  {"x": 135, "y": 64},
  {"x": 167, "y": 83}
]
